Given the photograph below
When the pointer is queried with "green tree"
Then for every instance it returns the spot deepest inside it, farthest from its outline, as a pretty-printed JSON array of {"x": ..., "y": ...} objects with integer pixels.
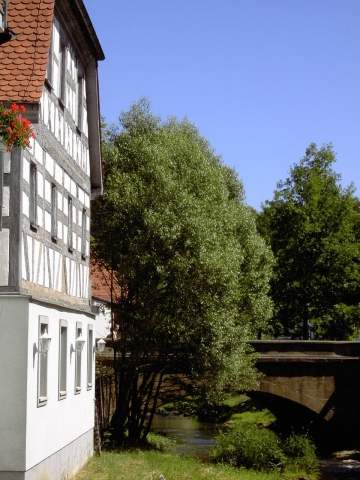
[
  {"x": 312, "y": 225},
  {"x": 173, "y": 227}
]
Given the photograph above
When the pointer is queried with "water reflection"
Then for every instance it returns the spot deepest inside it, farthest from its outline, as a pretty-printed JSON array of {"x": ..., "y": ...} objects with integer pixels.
[
  {"x": 193, "y": 437},
  {"x": 340, "y": 470}
]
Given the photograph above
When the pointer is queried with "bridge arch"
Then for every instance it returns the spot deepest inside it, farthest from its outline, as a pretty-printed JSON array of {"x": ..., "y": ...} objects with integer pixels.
[
  {"x": 317, "y": 380},
  {"x": 293, "y": 417}
]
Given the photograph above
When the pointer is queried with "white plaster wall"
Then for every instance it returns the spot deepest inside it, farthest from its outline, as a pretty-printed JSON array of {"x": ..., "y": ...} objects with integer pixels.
[
  {"x": 102, "y": 319},
  {"x": 13, "y": 369},
  {"x": 59, "y": 422}
]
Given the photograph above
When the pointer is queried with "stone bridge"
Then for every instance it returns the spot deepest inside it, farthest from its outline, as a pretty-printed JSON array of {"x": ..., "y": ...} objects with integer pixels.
[{"x": 316, "y": 383}]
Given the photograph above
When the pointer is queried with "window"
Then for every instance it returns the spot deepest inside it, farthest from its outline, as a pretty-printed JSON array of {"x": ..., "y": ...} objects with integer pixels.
[
  {"x": 83, "y": 234},
  {"x": 53, "y": 213},
  {"x": 80, "y": 102},
  {"x": 33, "y": 196},
  {"x": 62, "y": 73},
  {"x": 2, "y": 15},
  {"x": 62, "y": 359},
  {"x": 70, "y": 225},
  {"x": 49, "y": 70},
  {"x": 79, "y": 343},
  {"x": 90, "y": 354},
  {"x": 42, "y": 361}
]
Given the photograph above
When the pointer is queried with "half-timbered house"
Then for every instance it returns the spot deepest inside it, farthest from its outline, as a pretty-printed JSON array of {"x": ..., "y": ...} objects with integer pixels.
[{"x": 48, "y": 62}]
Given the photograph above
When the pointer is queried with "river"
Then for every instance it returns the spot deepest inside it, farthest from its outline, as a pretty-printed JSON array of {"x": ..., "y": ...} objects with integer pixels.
[{"x": 197, "y": 439}]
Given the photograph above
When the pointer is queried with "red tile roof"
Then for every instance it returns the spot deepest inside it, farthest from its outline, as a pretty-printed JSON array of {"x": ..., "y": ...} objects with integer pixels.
[
  {"x": 24, "y": 59},
  {"x": 101, "y": 283}
]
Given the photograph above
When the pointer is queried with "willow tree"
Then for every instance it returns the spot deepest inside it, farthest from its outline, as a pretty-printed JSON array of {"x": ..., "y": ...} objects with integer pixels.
[{"x": 173, "y": 227}]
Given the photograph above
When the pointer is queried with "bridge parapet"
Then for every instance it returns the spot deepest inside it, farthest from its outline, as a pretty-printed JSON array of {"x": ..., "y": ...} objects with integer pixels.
[{"x": 306, "y": 351}]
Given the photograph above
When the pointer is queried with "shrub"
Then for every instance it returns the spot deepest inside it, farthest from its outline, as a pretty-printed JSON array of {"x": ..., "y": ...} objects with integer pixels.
[
  {"x": 251, "y": 447},
  {"x": 301, "y": 452}
]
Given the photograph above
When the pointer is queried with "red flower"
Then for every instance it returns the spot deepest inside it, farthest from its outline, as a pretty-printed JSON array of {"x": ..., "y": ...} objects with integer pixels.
[{"x": 15, "y": 130}]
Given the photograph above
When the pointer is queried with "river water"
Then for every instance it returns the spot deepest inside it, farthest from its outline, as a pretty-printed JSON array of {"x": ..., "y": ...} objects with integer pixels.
[{"x": 197, "y": 439}]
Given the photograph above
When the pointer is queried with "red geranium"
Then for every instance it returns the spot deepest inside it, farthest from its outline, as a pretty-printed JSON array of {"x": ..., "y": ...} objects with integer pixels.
[{"x": 15, "y": 129}]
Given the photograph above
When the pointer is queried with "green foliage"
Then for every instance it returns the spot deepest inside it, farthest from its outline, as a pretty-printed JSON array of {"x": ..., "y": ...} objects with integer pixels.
[
  {"x": 251, "y": 447},
  {"x": 194, "y": 272},
  {"x": 313, "y": 226},
  {"x": 301, "y": 453}
]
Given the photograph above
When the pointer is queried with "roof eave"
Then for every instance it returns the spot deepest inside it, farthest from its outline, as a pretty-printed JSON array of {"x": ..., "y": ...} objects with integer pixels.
[{"x": 90, "y": 30}]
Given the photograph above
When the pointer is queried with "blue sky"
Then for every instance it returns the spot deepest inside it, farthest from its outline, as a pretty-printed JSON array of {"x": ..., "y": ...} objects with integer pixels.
[{"x": 261, "y": 79}]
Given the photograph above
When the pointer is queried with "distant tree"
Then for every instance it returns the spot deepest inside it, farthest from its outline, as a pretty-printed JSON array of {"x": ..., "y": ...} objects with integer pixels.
[
  {"x": 173, "y": 227},
  {"x": 312, "y": 225}
]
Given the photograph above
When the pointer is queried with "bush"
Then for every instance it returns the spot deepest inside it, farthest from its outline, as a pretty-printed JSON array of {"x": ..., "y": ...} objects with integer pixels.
[
  {"x": 301, "y": 453},
  {"x": 251, "y": 447}
]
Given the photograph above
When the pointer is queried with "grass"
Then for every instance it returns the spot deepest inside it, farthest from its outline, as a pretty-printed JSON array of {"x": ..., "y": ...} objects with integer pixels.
[
  {"x": 149, "y": 465},
  {"x": 262, "y": 418},
  {"x": 244, "y": 412},
  {"x": 160, "y": 442},
  {"x": 235, "y": 400}
]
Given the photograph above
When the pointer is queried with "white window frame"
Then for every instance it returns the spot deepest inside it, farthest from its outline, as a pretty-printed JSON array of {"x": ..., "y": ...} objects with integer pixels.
[
  {"x": 63, "y": 361},
  {"x": 42, "y": 396},
  {"x": 90, "y": 357}
]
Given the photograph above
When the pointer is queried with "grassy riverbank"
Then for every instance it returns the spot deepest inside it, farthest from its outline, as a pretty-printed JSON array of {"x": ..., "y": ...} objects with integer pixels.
[
  {"x": 149, "y": 465},
  {"x": 159, "y": 458}
]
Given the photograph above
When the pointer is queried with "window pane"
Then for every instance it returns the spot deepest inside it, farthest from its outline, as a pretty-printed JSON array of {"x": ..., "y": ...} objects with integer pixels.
[
  {"x": 62, "y": 361},
  {"x": 2, "y": 14},
  {"x": 43, "y": 356},
  {"x": 83, "y": 235},
  {"x": 33, "y": 195},
  {"x": 70, "y": 225},
  {"x": 78, "y": 362},
  {"x": 78, "y": 370},
  {"x": 42, "y": 363},
  {"x": 80, "y": 95},
  {"x": 53, "y": 212},
  {"x": 63, "y": 73},
  {"x": 49, "y": 69},
  {"x": 90, "y": 358}
]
